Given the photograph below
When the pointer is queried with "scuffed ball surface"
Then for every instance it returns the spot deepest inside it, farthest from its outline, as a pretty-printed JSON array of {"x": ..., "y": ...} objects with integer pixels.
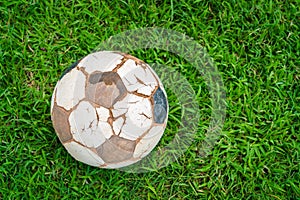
[{"x": 109, "y": 110}]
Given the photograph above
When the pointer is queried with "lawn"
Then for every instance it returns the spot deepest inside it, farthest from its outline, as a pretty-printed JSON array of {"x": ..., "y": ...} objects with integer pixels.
[{"x": 256, "y": 48}]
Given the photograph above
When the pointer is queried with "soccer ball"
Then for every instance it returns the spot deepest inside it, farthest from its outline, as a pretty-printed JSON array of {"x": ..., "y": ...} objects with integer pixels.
[{"x": 109, "y": 109}]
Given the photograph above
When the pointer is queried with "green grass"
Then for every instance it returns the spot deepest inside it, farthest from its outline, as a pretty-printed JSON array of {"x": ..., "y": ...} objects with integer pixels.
[{"x": 255, "y": 46}]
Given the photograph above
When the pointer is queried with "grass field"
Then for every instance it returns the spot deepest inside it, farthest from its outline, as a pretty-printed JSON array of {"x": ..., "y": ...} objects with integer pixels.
[{"x": 256, "y": 47}]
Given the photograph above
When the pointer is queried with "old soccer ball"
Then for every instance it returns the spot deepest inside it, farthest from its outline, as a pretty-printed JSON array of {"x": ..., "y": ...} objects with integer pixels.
[{"x": 109, "y": 109}]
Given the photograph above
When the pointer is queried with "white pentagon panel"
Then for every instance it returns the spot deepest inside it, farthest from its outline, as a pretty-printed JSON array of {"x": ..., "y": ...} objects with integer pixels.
[
  {"x": 83, "y": 154},
  {"x": 84, "y": 125},
  {"x": 70, "y": 89},
  {"x": 138, "y": 118},
  {"x": 149, "y": 82},
  {"x": 100, "y": 61},
  {"x": 137, "y": 78}
]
